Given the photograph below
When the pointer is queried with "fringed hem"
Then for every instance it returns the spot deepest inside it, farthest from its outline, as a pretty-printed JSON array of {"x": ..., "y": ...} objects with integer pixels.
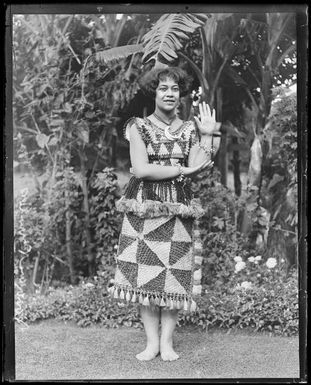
[
  {"x": 166, "y": 301},
  {"x": 152, "y": 209}
]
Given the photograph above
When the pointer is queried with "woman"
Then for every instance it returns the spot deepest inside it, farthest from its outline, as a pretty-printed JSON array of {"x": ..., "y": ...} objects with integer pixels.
[{"x": 158, "y": 261}]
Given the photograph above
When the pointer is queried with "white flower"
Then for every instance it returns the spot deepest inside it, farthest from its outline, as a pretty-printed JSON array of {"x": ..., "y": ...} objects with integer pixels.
[
  {"x": 282, "y": 260},
  {"x": 239, "y": 266},
  {"x": 89, "y": 284},
  {"x": 251, "y": 259},
  {"x": 258, "y": 275},
  {"x": 115, "y": 247},
  {"x": 271, "y": 263},
  {"x": 246, "y": 285},
  {"x": 257, "y": 259},
  {"x": 237, "y": 259}
]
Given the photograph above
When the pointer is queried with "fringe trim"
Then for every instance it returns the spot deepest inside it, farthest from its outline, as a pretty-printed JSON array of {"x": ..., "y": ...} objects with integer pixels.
[
  {"x": 152, "y": 209},
  {"x": 166, "y": 301}
]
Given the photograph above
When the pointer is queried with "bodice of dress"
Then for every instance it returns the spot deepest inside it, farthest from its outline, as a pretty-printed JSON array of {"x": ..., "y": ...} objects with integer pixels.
[{"x": 165, "y": 197}]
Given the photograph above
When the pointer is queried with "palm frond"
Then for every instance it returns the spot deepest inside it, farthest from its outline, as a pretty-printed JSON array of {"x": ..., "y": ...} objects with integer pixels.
[
  {"x": 117, "y": 53},
  {"x": 167, "y": 35},
  {"x": 210, "y": 27}
]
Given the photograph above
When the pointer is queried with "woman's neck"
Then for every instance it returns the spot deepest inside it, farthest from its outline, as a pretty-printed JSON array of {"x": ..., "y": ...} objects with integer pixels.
[{"x": 165, "y": 115}]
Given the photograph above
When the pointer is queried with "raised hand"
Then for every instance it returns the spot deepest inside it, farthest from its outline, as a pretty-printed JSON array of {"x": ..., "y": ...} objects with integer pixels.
[{"x": 207, "y": 124}]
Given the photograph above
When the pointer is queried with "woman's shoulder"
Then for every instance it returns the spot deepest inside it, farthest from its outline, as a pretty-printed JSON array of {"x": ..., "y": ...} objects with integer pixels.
[
  {"x": 139, "y": 123},
  {"x": 134, "y": 120}
]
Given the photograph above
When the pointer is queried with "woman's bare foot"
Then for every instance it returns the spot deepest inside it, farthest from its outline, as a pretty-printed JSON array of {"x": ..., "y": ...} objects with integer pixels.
[
  {"x": 149, "y": 353},
  {"x": 168, "y": 353}
]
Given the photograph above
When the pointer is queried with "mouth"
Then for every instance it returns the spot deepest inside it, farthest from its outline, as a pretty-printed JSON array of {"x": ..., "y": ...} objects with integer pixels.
[{"x": 169, "y": 101}]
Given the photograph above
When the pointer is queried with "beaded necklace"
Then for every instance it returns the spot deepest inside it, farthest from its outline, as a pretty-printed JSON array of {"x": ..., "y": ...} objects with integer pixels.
[{"x": 167, "y": 132}]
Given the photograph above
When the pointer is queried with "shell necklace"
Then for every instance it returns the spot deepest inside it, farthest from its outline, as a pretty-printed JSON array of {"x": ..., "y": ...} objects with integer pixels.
[{"x": 167, "y": 129}]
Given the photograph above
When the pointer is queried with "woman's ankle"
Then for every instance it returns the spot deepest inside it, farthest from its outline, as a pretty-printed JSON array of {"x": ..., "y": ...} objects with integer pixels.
[{"x": 153, "y": 344}]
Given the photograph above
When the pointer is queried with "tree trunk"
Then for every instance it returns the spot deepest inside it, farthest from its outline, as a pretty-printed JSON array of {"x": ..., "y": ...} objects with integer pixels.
[
  {"x": 35, "y": 272},
  {"x": 236, "y": 169},
  {"x": 68, "y": 242},
  {"x": 90, "y": 254}
]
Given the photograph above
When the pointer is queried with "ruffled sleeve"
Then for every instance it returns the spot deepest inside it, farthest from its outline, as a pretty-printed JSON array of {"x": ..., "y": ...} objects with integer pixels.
[{"x": 139, "y": 125}]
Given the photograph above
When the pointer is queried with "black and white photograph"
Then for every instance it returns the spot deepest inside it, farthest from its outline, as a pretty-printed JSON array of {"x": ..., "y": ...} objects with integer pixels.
[{"x": 155, "y": 193}]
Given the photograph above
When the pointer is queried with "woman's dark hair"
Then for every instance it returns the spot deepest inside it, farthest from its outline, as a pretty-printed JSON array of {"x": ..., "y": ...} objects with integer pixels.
[{"x": 150, "y": 81}]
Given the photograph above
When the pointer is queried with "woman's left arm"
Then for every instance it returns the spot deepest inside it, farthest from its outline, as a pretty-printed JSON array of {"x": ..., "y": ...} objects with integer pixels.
[
  {"x": 198, "y": 155},
  {"x": 209, "y": 143}
]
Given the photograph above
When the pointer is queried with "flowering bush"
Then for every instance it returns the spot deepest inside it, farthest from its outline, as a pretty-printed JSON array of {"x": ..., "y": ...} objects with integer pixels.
[
  {"x": 272, "y": 308},
  {"x": 254, "y": 272},
  {"x": 271, "y": 263}
]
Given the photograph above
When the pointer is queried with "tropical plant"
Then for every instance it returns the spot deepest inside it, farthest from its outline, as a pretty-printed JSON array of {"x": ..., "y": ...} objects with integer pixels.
[
  {"x": 63, "y": 135},
  {"x": 280, "y": 178},
  {"x": 271, "y": 41},
  {"x": 161, "y": 41}
]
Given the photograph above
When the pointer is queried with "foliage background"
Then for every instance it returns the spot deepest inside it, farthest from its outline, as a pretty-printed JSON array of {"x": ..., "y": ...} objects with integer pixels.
[{"x": 75, "y": 85}]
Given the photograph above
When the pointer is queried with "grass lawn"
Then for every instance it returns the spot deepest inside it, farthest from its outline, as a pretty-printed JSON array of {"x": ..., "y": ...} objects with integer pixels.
[{"x": 57, "y": 351}]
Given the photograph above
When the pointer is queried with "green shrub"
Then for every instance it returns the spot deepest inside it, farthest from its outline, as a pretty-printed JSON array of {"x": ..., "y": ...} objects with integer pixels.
[
  {"x": 86, "y": 304},
  {"x": 219, "y": 250},
  {"x": 261, "y": 309},
  {"x": 105, "y": 219},
  {"x": 272, "y": 308},
  {"x": 42, "y": 220},
  {"x": 219, "y": 228}
]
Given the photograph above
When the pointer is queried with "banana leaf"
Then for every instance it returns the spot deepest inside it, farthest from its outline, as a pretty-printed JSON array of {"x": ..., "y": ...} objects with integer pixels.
[
  {"x": 117, "y": 53},
  {"x": 168, "y": 34}
]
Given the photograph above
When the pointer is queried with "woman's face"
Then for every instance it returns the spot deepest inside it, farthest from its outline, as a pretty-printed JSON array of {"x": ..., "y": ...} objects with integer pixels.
[{"x": 167, "y": 95}]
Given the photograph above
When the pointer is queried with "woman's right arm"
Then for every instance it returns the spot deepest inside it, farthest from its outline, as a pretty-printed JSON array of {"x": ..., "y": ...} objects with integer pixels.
[{"x": 144, "y": 170}]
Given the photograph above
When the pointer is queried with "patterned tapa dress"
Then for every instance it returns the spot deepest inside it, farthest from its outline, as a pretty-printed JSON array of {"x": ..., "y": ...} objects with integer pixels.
[{"x": 159, "y": 253}]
